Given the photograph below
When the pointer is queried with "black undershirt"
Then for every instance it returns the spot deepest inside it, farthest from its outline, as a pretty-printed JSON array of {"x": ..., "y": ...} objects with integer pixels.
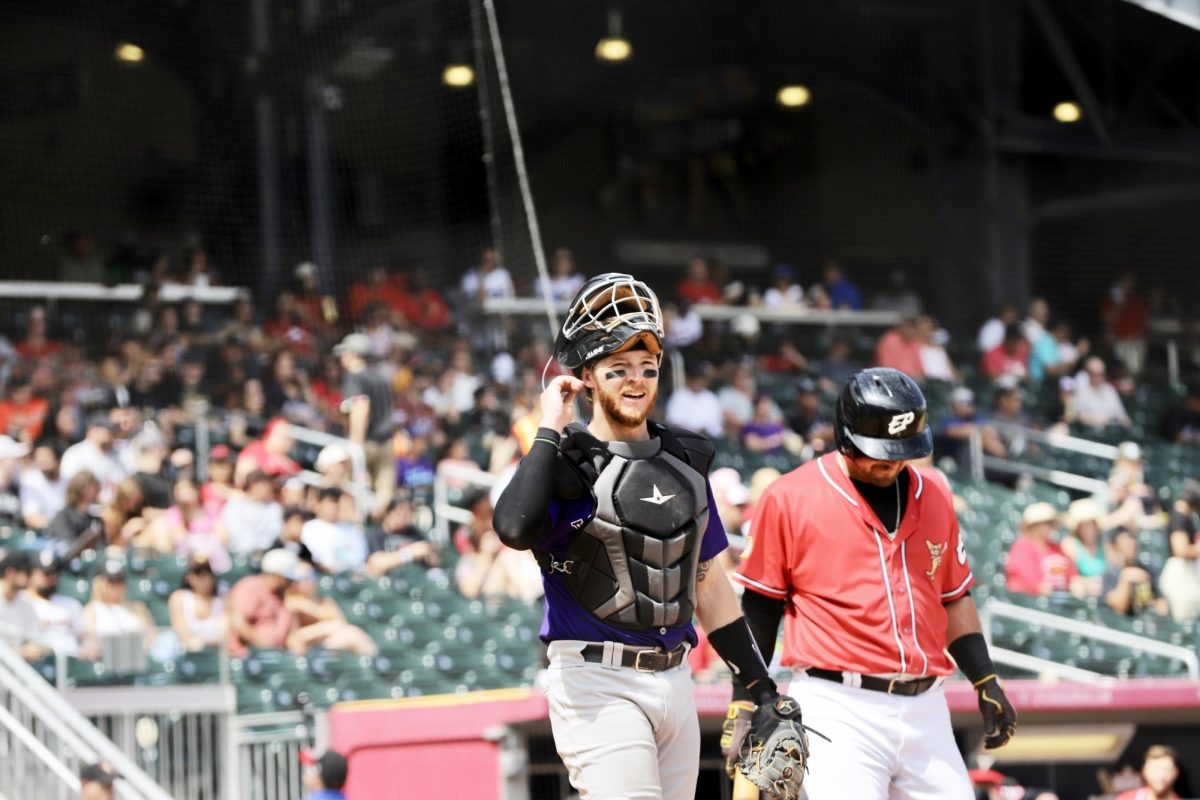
[{"x": 882, "y": 499}]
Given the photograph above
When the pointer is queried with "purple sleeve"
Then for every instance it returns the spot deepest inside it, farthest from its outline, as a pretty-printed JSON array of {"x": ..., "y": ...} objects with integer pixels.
[{"x": 714, "y": 535}]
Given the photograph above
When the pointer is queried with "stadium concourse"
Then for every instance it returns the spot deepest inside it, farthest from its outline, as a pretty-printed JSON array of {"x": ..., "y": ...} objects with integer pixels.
[{"x": 182, "y": 507}]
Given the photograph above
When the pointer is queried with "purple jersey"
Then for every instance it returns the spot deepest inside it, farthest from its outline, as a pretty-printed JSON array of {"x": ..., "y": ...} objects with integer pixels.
[{"x": 564, "y": 617}]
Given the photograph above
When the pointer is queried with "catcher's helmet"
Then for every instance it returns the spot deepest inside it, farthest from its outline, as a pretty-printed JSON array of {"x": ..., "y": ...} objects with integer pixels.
[
  {"x": 882, "y": 413},
  {"x": 611, "y": 313}
]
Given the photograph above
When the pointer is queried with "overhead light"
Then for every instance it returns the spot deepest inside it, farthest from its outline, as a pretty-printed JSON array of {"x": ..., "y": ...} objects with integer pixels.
[
  {"x": 458, "y": 75},
  {"x": 614, "y": 46},
  {"x": 1068, "y": 112},
  {"x": 130, "y": 53},
  {"x": 793, "y": 95}
]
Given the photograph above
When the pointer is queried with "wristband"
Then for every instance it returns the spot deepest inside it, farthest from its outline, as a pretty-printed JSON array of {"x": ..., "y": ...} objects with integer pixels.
[
  {"x": 970, "y": 653},
  {"x": 736, "y": 647}
]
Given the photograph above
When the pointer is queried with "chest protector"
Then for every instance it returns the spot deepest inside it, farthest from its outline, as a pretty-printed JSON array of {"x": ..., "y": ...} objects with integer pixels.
[{"x": 633, "y": 563}]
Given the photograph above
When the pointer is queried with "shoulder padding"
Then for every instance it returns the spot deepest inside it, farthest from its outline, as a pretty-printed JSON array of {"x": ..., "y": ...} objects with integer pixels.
[{"x": 694, "y": 448}]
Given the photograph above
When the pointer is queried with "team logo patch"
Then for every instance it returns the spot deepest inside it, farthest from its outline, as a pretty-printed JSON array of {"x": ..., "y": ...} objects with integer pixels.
[
  {"x": 900, "y": 422},
  {"x": 935, "y": 556}
]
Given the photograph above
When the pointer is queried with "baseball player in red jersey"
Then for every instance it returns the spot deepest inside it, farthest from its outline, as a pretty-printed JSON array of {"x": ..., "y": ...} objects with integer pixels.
[{"x": 859, "y": 552}]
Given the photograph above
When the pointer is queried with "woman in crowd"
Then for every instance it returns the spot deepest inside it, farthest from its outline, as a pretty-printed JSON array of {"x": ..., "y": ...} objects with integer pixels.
[
  {"x": 127, "y": 516},
  {"x": 191, "y": 527},
  {"x": 1084, "y": 544},
  {"x": 197, "y": 612},
  {"x": 109, "y": 613}
]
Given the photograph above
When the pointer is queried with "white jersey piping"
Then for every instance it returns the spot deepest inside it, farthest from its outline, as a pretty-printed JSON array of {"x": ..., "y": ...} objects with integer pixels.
[
  {"x": 911, "y": 609},
  {"x": 840, "y": 490},
  {"x": 887, "y": 586}
]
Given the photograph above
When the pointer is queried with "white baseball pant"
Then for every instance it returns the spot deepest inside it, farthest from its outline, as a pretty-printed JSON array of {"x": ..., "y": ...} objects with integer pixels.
[
  {"x": 884, "y": 747},
  {"x": 623, "y": 734}
]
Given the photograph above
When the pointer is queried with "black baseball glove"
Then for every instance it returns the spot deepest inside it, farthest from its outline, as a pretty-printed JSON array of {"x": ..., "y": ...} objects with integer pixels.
[
  {"x": 999, "y": 717},
  {"x": 774, "y": 752}
]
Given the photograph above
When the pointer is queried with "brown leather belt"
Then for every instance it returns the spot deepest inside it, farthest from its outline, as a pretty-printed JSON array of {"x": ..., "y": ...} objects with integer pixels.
[
  {"x": 643, "y": 659},
  {"x": 909, "y": 688}
]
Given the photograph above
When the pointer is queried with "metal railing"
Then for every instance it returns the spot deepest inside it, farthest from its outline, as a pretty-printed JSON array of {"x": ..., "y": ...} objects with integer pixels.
[
  {"x": 268, "y": 749},
  {"x": 535, "y": 306},
  {"x": 52, "y": 291},
  {"x": 445, "y": 512},
  {"x": 980, "y": 462},
  {"x": 45, "y": 741},
  {"x": 1000, "y": 608},
  {"x": 181, "y": 735}
]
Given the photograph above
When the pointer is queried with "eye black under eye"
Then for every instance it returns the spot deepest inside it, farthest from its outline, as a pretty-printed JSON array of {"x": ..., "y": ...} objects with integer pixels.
[{"x": 650, "y": 373}]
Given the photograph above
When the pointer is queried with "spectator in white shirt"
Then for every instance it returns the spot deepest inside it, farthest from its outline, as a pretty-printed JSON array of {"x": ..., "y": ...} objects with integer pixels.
[
  {"x": 682, "y": 325},
  {"x": 784, "y": 290},
  {"x": 489, "y": 280},
  {"x": 694, "y": 406},
  {"x": 255, "y": 520},
  {"x": 60, "y": 618},
  {"x": 336, "y": 546},
  {"x": 95, "y": 454},
  {"x": 1096, "y": 400},
  {"x": 991, "y": 335},
  {"x": 935, "y": 361},
  {"x": 737, "y": 399},
  {"x": 565, "y": 280},
  {"x": 43, "y": 487},
  {"x": 18, "y": 620}
]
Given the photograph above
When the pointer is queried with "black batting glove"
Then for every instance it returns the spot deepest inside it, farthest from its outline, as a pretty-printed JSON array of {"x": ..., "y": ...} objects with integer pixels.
[{"x": 999, "y": 717}]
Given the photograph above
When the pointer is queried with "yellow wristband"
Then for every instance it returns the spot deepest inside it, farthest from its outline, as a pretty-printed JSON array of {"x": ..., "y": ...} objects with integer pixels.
[{"x": 550, "y": 442}]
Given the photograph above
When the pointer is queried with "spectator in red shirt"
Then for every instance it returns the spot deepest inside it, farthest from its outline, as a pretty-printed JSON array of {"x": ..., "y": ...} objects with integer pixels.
[
  {"x": 1011, "y": 358},
  {"x": 257, "y": 614},
  {"x": 37, "y": 344},
  {"x": 427, "y": 309},
  {"x": 376, "y": 288},
  {"x": 290, "y": 328},
  {"x": 313, "y": 306},
  {"x": 22, "y": 413},
  {"x": 698, "y": 286},
  {"x": 1160, "y": 770},
  {"x": 900, "y": 348},
  {"x": 269, "y": 454},
  {"x": 1036, "y": 564},
  {"x": 1125, "y": 313}
]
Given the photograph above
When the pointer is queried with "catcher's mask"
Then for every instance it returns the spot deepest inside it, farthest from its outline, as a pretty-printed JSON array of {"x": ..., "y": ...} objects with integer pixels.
[
  {"x": 612, "y": 313},
  {"x": 881, "y": 413}
]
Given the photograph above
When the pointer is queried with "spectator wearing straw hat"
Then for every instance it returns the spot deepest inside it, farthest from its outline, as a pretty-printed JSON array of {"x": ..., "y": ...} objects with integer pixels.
[
  {"x": 1036, "y": 563},
  {"x": 1084, "y": 543}
]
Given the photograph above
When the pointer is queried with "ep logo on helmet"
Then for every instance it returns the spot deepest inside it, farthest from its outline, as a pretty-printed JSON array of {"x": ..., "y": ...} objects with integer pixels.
[{"x": 900, "y": 422}]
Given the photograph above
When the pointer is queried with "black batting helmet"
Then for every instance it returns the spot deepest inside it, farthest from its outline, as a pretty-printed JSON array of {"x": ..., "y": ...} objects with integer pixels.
[
  {"x": 611, "y": 313},
  {"x": 882, "y": 413}
]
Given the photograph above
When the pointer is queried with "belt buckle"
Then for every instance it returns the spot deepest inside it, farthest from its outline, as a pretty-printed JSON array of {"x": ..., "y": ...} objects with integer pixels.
[
  {"x": 637, "y": 660},
  {"x": 892, "y": 685}
]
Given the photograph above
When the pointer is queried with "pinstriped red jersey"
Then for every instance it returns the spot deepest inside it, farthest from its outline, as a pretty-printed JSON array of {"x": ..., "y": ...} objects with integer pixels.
[{"x": 856, "y": 599}]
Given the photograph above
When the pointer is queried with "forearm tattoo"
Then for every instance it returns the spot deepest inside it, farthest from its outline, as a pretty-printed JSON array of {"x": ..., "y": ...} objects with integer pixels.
[{"x": 702, "y": 570}]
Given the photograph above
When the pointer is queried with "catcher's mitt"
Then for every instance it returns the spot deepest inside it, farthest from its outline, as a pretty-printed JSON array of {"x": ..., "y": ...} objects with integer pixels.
[{"x": 774, "y": 753}]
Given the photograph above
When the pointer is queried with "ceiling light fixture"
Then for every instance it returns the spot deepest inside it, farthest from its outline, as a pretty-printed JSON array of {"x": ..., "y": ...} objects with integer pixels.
[
  {"x": 614, "y": 46},
  {"x": 1067, "y": 112},
  {"x": 793, "y": 95},
  {"x": 129, "y": 53}
]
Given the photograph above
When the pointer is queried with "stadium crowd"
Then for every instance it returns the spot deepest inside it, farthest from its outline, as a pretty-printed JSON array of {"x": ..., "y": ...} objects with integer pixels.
[{"x": 174, "y": 430}]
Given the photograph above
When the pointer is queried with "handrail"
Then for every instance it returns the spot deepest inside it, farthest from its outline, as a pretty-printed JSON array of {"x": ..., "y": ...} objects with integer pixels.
[
  {"x": 1060, "y": 440},
  {"x": 443, "y": 510},
  {"x": 1056, "y": 476},
  {"x": 796, "y": 315},
  {"x": 60, "y": 718},
  {"x": 1002, "y": 655},
  {"x": 124, "y": 292},
  {"x": 1093, "y": 631},
  {"x": 43, "y": 753}
]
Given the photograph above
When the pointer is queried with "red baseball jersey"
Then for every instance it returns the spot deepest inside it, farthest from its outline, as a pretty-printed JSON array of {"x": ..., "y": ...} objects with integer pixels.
[{"x": 857, "y": 599}]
